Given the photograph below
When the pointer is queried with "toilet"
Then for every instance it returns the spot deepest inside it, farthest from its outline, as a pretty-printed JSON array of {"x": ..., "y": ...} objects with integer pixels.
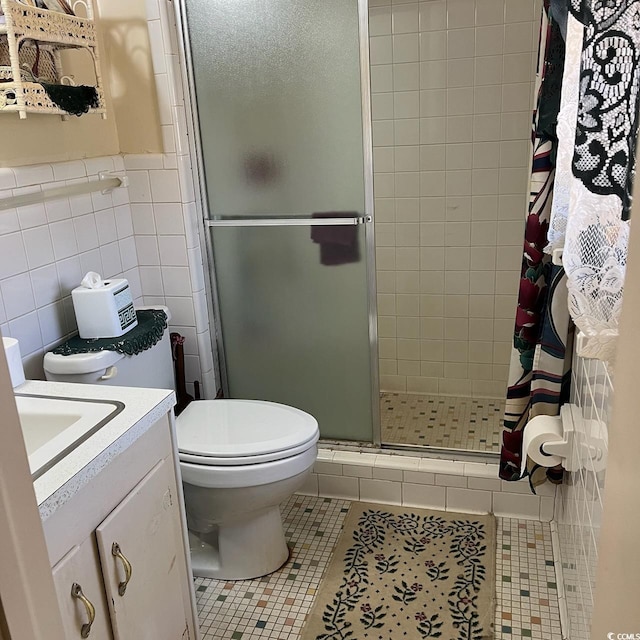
[
  {"x": 235, "y": 474},
  {"x": 240, "y": 459}
]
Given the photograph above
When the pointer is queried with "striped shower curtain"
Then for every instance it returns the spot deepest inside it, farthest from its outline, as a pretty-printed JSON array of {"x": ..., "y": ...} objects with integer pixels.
[{"x": 540, "y": 370}]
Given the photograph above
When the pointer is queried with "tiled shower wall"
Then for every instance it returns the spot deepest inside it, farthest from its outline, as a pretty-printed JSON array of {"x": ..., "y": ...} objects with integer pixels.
[
  {"x": 579, "y": 504},
  {"x": 452, "y": 93}
]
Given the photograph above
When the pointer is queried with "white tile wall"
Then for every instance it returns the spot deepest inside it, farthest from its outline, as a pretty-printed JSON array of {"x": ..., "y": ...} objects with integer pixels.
[
  {"x": 579, "y": 507},
  {"x": 451, "y": 96},
  {"x": 169, "y": 258},
  {"x": 165, "y": 213},
  {"x": 45, "y": 249},
  {"x": 451, "y": 485}
]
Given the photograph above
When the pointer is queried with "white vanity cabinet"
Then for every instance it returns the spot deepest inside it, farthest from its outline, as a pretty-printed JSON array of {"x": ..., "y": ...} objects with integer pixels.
[
  {"x": 137, "y": 544},
  {"x": 119, "y": 549},
  {"x": 78, "y": 581}
]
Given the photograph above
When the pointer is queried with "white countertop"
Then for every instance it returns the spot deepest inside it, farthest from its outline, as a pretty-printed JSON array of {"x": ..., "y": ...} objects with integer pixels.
[{"x": 142, "y": 408}]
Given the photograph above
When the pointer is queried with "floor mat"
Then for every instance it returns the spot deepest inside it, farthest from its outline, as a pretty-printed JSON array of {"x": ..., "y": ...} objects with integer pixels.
[{"x": 404, "y": 572}]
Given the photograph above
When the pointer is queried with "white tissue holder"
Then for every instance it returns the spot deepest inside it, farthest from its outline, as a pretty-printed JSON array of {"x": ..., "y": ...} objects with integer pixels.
[
  {"x": 565, "y": 447},
  {"x": 578, "y": 445},
  {"x": 103, "y": 308}
]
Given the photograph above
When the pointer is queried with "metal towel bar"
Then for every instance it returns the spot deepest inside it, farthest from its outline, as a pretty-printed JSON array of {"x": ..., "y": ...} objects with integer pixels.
[
  {"x": 105, "y": 183},
  {"x": 288, "y": 222}
]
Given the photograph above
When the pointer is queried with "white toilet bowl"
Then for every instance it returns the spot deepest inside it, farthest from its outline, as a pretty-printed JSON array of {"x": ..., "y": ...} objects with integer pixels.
[{"x": 240, "y": 459}]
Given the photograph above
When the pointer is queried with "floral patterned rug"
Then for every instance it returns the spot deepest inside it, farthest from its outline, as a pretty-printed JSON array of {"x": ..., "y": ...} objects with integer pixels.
[{"x": 399, "y": 572}]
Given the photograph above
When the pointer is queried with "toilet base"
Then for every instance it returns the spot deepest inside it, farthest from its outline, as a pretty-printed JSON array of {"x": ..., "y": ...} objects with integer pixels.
[{"x": 250, "y": 548}]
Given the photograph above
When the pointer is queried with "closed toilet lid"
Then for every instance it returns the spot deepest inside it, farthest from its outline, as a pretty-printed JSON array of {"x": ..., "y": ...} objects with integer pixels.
[{"x": 242, "y": 431}]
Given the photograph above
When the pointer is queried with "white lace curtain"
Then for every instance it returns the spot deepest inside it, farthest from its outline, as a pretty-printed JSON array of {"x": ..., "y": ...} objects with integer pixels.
[{"x": 597, "y": 127}]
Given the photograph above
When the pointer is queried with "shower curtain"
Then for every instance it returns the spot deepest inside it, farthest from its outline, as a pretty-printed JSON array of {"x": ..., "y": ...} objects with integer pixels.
[
  {"x": 540, "y": 370},
  {"x": 595, "y": 168}
]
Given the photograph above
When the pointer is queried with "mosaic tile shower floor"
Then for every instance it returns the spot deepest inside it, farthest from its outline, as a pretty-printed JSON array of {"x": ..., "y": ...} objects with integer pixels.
[
  {"x": 274, "y": 607},
  {"x": 441, "y": 421}
]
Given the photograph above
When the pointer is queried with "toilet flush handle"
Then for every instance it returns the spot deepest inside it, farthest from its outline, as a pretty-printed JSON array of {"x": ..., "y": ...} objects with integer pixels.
[{"x": 110, "y": 372}]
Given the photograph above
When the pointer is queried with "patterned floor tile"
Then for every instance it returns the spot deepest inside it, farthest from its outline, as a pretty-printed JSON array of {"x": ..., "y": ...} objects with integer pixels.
[
  {"x": 473, "y": 424},
  {"x": 527, "y": 595},
  {"x": 274, "y": 607}
]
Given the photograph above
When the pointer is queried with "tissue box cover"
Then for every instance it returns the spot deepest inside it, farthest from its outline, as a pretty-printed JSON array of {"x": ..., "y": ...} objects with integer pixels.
[{"x": 106, "y": 311}]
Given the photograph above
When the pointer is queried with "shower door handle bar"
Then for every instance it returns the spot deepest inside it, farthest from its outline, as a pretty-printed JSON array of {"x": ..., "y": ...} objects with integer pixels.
[{"x": 288, "y": 222}]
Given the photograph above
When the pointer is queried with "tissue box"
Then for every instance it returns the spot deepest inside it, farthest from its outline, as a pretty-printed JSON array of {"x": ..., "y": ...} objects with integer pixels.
[{"x": 105, "y": 311}]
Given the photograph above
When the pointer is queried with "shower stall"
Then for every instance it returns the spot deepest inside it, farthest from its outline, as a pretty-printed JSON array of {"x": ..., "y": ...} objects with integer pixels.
[
  {"x": 452, "y": 91},
  {"x": 364, "y": 172}
]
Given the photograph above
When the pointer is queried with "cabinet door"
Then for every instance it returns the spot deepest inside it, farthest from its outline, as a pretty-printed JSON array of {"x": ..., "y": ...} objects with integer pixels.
[
  {"x": 78, "y": 575},
  {"x": 146, "y": 602}
]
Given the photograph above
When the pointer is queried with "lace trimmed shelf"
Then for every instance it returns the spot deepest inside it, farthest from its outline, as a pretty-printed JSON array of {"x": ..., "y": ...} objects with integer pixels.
[{"x": 31, "y": 37}]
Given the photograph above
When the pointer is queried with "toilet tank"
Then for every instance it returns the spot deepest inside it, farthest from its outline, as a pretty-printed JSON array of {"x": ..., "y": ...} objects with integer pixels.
[{"x": 152, "y": 368}]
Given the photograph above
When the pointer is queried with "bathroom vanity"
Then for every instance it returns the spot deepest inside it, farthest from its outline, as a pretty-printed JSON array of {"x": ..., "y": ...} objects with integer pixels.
[{"x": 114, "y": 524}]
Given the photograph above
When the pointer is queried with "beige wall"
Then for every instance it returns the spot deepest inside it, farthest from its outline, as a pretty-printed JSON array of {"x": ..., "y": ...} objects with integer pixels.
[
  {"x": 618, "y": 579},
  {"x": 132, "y": 125},
  {"x": 133, "y": 92}
]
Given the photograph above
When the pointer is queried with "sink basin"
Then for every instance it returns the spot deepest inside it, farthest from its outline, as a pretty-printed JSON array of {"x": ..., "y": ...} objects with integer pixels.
[{"x": 53, "y": 427}]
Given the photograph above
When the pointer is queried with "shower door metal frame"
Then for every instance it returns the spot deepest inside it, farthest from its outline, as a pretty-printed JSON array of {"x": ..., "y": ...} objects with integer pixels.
[{"x": 206, "y": 241}]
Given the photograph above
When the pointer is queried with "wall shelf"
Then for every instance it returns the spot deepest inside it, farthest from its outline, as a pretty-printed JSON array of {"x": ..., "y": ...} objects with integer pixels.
[{"x": 27, "y": 29}]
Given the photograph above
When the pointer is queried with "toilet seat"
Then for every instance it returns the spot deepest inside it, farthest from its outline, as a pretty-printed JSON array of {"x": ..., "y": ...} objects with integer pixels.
[
  {"x": 213, "y": 461},
  {"x": 219, "y": 433},
  {"x": 248, "y": 475}
]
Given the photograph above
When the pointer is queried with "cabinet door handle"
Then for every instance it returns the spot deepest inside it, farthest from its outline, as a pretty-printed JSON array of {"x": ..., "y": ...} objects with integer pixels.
[
  {"x": 117, "y": 553},
  {"x": 76, "y": 592}
]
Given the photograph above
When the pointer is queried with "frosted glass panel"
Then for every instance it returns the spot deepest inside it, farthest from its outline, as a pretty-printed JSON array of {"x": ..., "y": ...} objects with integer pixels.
[
  {"x": 295, "y": 331},
  {"x": 280, "y": 115},
  {"x": 278, "y": 93}
]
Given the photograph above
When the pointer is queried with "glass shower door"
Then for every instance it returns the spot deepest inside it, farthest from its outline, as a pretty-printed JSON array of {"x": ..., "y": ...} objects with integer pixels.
[{"x": 279, "y": 100}]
